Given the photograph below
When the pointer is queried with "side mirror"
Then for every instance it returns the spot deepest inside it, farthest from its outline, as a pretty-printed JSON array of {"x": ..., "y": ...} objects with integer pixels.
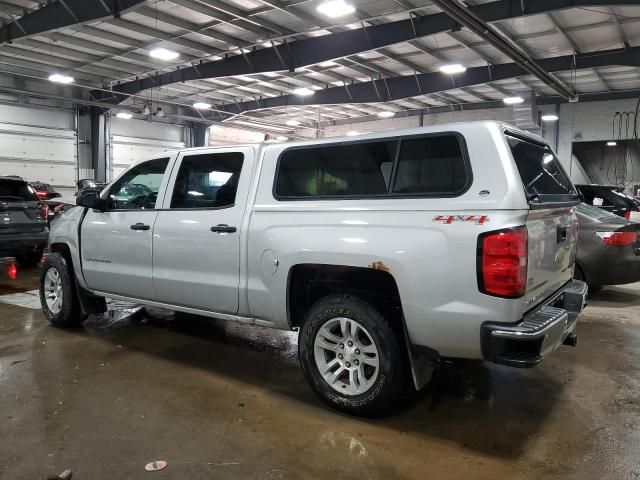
[{"x": 90, "y": 199}]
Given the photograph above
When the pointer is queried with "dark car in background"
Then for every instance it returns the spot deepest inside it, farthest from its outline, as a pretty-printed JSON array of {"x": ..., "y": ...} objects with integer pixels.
[
  {"x": 609, "y": 198},
  {"x": 45, "y": 191},
  {"x": 23, "y": 221},
  {"x": 608, "y": 248}
]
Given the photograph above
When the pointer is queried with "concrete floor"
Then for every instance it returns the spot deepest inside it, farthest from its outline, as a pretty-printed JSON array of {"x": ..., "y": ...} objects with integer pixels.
[{"x": 225, "y": 401}]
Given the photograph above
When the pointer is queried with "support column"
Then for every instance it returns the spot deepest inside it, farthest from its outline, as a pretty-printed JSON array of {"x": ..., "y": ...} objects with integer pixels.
[
  {"x": 98, "y": 144},
  {"x": 198, "y": 134}
]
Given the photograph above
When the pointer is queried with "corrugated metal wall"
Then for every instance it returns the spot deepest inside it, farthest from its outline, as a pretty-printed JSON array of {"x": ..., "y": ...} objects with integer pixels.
[
  {"x": 39, "y": 145},
  {"x": 134, "y": 140}
]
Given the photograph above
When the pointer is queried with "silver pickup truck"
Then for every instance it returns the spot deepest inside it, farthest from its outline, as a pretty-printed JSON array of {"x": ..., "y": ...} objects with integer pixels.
[{"x": 388, "y": 251}]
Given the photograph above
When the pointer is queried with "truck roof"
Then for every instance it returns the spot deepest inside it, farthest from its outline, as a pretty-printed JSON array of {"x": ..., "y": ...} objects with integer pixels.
[{"x": 382, "y": 134}]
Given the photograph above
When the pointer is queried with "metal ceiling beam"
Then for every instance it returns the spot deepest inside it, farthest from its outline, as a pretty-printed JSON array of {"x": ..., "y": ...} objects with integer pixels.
[
  {"x": 477, "y": 25},
  {"x": 428, "y": 83},
  {"x": 59, "y": 14},
  {"x": 309, "y": 51}
]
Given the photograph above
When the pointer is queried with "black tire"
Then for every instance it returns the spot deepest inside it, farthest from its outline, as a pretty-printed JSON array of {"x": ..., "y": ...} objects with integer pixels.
[
  {"x": 30, "y": 260},
  {"x": 593, "y": 289},
  {"x": 392, "y": 382},
  {"x": 70, "y": 314}
]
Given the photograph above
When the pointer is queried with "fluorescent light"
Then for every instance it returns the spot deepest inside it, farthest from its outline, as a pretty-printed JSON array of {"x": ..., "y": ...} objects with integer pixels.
[
  {"x": 612, "y": 144},
  {"x": 328, "y": 64},
  {"x": 57, "y": 78},
  {"x": 282, "y": 138},
  {"x": 124, "y": 115},
  {"x": 163, "y": 54},
  {"x": 453, "y": 68},
  {"x": 293, "y": 123},
  {"x": 386, "y": 114},
  {"x": 335, "y": 8},
  {"x": 303, "y": 91},
  {"x": 513, "y": 100},
  {"x": 202, "y": 106},
  {"x": 549, "y": 118},
  {"x": 353, "y": 133}
]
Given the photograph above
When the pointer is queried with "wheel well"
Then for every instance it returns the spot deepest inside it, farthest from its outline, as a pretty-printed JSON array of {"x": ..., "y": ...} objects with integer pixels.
[
  {"x": 61, "y": 248},
  {"x": 310, "y": 282}
]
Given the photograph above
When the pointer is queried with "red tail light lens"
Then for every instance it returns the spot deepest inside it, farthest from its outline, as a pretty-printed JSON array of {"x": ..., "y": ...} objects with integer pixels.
[
  {"x": 12, "y": 271},
  {"x": 44, "y": 211},
  {"x": 618, "y": 239},
  {"x": 502, "y": 262},
  {"x": 41, "y": 194}
]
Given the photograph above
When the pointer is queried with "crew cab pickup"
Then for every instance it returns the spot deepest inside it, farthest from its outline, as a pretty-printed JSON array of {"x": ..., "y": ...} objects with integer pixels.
[{"x": 388, "y": 251}]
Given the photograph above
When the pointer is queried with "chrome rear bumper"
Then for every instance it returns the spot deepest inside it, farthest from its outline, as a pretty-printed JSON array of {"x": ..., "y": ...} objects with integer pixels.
[{"x": 540, "y": 332}]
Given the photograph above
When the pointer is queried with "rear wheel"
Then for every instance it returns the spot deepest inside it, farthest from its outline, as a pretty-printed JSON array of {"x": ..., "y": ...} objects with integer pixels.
[
  {"x": 58, "y": 293},
  {"x": 352, "y": 357}
]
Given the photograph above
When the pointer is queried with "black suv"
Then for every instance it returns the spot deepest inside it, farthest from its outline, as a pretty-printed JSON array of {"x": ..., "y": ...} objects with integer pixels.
[
  {"x": 609, "y": 198},
  {"x": 23, "y": 222}
]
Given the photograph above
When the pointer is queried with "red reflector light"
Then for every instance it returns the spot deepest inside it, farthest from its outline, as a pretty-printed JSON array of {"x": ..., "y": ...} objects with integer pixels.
[
  {"x": 619, "y": 239},
  {"x": 44, "y": 211},
  {"x": 41, "y": 194},
  {"x": 12, "y": 271},
  {"x": 502, "y": 262}
]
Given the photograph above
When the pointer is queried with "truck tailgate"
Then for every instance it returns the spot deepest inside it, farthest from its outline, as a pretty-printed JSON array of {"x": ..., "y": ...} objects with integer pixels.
[{"x": 553, "y": 240}]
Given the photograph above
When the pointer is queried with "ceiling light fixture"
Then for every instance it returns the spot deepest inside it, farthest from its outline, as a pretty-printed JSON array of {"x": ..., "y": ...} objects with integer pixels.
[
  {"x": 549, "y": 118},
  {"x": 612, "y": 144},
  {"x": 163, "y": 54},
  {"x": 353, "y": 133},
  {"x": 282, "y": 138},
  {"x": 124, "y": 115},
  {"x": 293, "y": 123},
  {"x": 58, "y": 78},
  {"x": 202, "y": 106},
  {"x": 513, "y": 100},
  {"x": 335, "y": 8},
  {"x": 386, "y": 114},
  {"x": 303, "y": 91},
  {"x": 453, "y": 69}
]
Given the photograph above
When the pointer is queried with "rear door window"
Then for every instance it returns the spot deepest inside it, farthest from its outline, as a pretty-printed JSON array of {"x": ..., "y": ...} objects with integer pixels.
[
  {"x": 16, "y": 191},
  {"x": 207, "y": 181},
  {"x": 542, "y": 175}
]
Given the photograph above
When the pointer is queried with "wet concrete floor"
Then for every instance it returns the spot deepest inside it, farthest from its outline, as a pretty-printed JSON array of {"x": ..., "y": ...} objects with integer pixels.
[{"x": 225, "y": 401}]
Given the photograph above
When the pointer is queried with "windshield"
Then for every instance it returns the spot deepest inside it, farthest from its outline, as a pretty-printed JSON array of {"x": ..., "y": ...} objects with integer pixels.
[
  {"x": 596, "y": 213},
  {"x": 540, "y": 170}
]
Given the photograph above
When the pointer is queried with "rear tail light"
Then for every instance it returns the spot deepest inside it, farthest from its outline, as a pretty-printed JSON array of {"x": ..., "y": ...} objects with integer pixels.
[
  {"x": 502, "y": 262},
  {"x": 618, "y": 239},
  {"x": 44, "y": 211},
  {"x": 12, "y": 271},
  {"x": 41, "y": 194}
]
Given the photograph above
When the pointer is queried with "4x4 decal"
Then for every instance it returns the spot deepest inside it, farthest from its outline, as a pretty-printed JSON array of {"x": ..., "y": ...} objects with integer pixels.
[{"x": 449, "y": 219}]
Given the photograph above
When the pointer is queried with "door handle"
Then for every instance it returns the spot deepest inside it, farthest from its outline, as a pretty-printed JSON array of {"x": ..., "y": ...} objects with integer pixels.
[
  {"x": 561, "y": 233},
  {"x": 140, "y": 226},
  {"x": 223, "y": 228}
]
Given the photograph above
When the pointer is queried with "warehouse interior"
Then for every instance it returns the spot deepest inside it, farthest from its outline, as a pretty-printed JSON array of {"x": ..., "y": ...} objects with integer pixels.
[{"x": 90, "y": 87}]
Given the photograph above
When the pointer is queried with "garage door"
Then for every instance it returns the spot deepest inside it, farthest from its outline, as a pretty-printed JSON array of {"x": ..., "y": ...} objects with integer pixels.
[
  {"x": 39, "y": 153},
  {"x": 126, "y": 151}
]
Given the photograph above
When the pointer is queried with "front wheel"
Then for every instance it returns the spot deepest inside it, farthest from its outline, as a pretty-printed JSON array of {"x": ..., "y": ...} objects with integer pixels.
[
  {"x": 58, "y": 293},
  {"x": 352, "y": 357}
]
